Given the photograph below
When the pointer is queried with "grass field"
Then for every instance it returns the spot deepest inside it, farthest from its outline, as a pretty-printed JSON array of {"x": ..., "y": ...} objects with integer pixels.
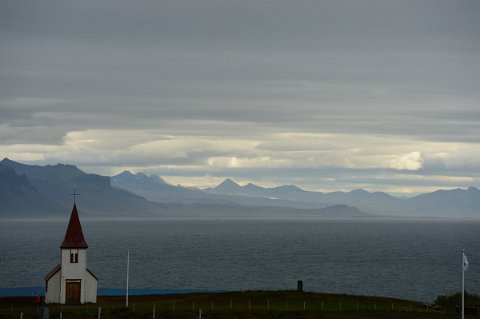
[{"x": 245, "y": 305}]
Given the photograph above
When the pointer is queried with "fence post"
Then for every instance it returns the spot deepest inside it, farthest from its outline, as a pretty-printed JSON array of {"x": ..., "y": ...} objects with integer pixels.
[
  {"x": 304, "y": 306},
  {"x": 212, "y": 306},
  {"x": 200, "y": 313},
  {"x": 21, "y": 315},
  {"x": 99, "y": 313},
  {"x": 153, "y": 312},
  {"x": 231, "y": 304},
  {"x": 268, "y": 304}
]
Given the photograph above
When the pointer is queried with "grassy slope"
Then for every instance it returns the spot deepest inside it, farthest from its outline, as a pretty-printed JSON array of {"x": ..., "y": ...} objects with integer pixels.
[{"x": 245, "y": 305}]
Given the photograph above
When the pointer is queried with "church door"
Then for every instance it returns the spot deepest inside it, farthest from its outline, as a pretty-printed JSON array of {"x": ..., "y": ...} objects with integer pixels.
[{"x": 73, "y": 292}]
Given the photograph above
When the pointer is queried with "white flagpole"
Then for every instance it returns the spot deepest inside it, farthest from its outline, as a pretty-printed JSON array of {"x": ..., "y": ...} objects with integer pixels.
[
  {"x": 128, "y": 266},
  {"x": 463, "y": 284}
]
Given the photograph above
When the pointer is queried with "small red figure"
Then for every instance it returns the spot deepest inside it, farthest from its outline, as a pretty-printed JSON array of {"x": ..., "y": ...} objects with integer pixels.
[{"x": 37, "y": 299}]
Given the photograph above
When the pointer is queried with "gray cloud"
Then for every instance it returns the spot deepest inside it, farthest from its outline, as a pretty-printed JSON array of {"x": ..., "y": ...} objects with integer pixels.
[{"x": 243, "y": 71}]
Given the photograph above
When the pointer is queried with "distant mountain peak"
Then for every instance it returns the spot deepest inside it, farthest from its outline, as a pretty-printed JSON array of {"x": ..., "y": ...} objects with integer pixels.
[
  {"x": 140, "y": 176},
  {"x": 8, "y": 162},
  {"x": 125, "y": 173},
  {"x": 36, "y": 172},
  {"x": 252, "y": 186},
  {"x": 228, "y": 182},
  {"x": 228, "y": 186},
  {"x": 290, "y": 188},
  {"x": 473, "y": 189},
  {"x": 359, "y": 191}
]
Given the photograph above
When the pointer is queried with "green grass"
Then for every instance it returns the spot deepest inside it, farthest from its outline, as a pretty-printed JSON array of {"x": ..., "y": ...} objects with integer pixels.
[{"x": 245, "y": 305}]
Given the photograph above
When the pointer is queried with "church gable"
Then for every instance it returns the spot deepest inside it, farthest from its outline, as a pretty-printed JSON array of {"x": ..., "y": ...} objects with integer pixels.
[{"x": 53, "y": 272}]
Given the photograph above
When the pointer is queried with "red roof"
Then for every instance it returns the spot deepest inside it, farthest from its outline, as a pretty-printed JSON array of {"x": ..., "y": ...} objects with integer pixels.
[{"x": 74, "y": 235}]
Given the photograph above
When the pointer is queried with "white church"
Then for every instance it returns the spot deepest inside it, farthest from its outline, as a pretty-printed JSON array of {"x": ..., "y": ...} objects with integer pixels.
[{"x": 71, "y": 282}]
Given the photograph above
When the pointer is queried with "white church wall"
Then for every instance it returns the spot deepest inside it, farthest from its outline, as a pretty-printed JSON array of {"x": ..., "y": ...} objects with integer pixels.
[
  {"x": 91, "y": 288},
  {"x": 74, "y": 270},
  {"x": 52, "y": 295},
  {"x": 63, "y": 289}
]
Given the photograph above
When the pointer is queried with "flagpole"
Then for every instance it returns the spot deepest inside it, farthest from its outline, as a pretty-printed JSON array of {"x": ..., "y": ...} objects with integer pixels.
[
  {"x": 463, "y": 284},
  {"x": 128, "y": 266}
]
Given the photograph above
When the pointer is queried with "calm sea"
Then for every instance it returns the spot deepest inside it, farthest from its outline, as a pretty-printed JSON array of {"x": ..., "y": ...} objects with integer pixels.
[{"x": 412, "y": 259}]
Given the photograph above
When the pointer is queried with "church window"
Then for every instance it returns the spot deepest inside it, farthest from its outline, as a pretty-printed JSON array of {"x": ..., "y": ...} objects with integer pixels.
[{"x": 73, "y": 258}]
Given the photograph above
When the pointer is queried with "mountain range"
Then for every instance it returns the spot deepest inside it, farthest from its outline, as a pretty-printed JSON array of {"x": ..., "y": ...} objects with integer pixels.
[
  {"x": 33, "y": 189},
  {"x": 441, "y": 203},
  {"x": 37, "y": 191}
]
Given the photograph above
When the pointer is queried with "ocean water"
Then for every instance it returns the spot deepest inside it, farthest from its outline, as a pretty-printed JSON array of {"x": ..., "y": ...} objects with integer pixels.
[{"x": 411, "y": 259}]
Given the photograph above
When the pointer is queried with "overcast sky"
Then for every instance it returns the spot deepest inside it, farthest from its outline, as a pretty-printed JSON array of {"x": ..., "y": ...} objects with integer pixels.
[{"x": 328, "y": 95}]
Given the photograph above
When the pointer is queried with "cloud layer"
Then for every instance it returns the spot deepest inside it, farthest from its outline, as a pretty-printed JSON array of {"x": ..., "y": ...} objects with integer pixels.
[{"x": 344, "y": 94}]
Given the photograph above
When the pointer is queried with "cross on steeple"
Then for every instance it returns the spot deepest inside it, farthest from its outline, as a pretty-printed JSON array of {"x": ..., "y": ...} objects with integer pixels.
[{"x": 74, "y": 194}]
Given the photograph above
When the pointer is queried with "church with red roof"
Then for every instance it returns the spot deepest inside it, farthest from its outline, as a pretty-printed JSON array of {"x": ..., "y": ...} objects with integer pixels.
[{"x": 71, "y": 282}]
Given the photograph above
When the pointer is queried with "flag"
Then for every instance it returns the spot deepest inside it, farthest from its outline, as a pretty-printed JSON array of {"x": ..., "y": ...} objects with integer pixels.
[{"x": 465, "y": 263}]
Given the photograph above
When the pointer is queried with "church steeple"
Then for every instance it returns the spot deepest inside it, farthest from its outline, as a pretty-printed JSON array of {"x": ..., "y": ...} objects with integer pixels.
[{"x": 74, "y": 235}]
